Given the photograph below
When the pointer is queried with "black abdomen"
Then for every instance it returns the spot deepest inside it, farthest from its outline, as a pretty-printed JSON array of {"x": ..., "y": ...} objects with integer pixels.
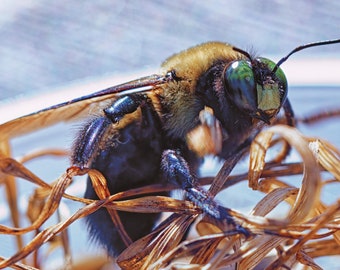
[{"x": 132, "y": 159}]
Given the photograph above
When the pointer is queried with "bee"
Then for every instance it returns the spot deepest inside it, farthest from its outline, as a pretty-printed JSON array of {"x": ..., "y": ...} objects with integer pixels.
[{"x": 211, "y": 99}]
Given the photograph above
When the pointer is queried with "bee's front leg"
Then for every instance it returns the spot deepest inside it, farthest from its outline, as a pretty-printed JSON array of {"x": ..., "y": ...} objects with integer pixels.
[{"x": 177, "y": 171}]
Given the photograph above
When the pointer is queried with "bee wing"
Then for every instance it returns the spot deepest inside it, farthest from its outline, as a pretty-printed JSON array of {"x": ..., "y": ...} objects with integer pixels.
[{"x": 79, "y": 107}]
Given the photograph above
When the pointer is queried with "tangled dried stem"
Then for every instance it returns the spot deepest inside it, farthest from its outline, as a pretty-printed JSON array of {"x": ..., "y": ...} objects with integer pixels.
[{"x": 310, "y": 229}]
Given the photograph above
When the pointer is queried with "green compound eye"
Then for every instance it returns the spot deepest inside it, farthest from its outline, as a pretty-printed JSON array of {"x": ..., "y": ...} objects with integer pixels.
[
  {"x": 272, "y": 90},
  {"x": 279, "y": 73},
  {"x": 240, "y": 85}
]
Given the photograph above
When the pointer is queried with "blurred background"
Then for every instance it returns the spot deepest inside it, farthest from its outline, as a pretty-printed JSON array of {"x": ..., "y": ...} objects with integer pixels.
[
  {"x": 45, "y": 44},
  {"x": 50, "y": 48}
]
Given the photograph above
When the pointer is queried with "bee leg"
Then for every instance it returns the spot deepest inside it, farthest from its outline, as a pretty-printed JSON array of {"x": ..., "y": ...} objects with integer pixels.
[
  {"x": 89, "y": 141},
  {"x": 177, "y": 171},
  {"x": 123, "y": 106},
  {"x": 87, "y": 144},
  {"x": 289, "y": 113}
]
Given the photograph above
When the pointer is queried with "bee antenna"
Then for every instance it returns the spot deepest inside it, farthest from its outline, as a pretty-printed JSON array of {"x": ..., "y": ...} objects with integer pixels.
[{"x": 302, "y": 47}]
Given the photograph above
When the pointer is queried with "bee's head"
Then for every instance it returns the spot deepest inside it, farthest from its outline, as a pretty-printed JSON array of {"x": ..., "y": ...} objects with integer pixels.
[{"x": 256, "y": 86}]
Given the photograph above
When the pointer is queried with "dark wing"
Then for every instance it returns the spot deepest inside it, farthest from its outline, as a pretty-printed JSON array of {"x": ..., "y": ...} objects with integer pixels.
[{"x": 79, "y": 107}]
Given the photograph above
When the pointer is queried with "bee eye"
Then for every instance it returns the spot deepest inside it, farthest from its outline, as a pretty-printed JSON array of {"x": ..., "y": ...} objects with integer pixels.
[
  {"x": 279, "y": 75},
  {"x": 240, "y": 85}
]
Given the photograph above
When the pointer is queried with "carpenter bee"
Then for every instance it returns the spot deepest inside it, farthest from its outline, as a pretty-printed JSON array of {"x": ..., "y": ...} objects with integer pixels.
[
  {"x": 211, "y": 99},
  {"x": 215, "y": 99}
]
